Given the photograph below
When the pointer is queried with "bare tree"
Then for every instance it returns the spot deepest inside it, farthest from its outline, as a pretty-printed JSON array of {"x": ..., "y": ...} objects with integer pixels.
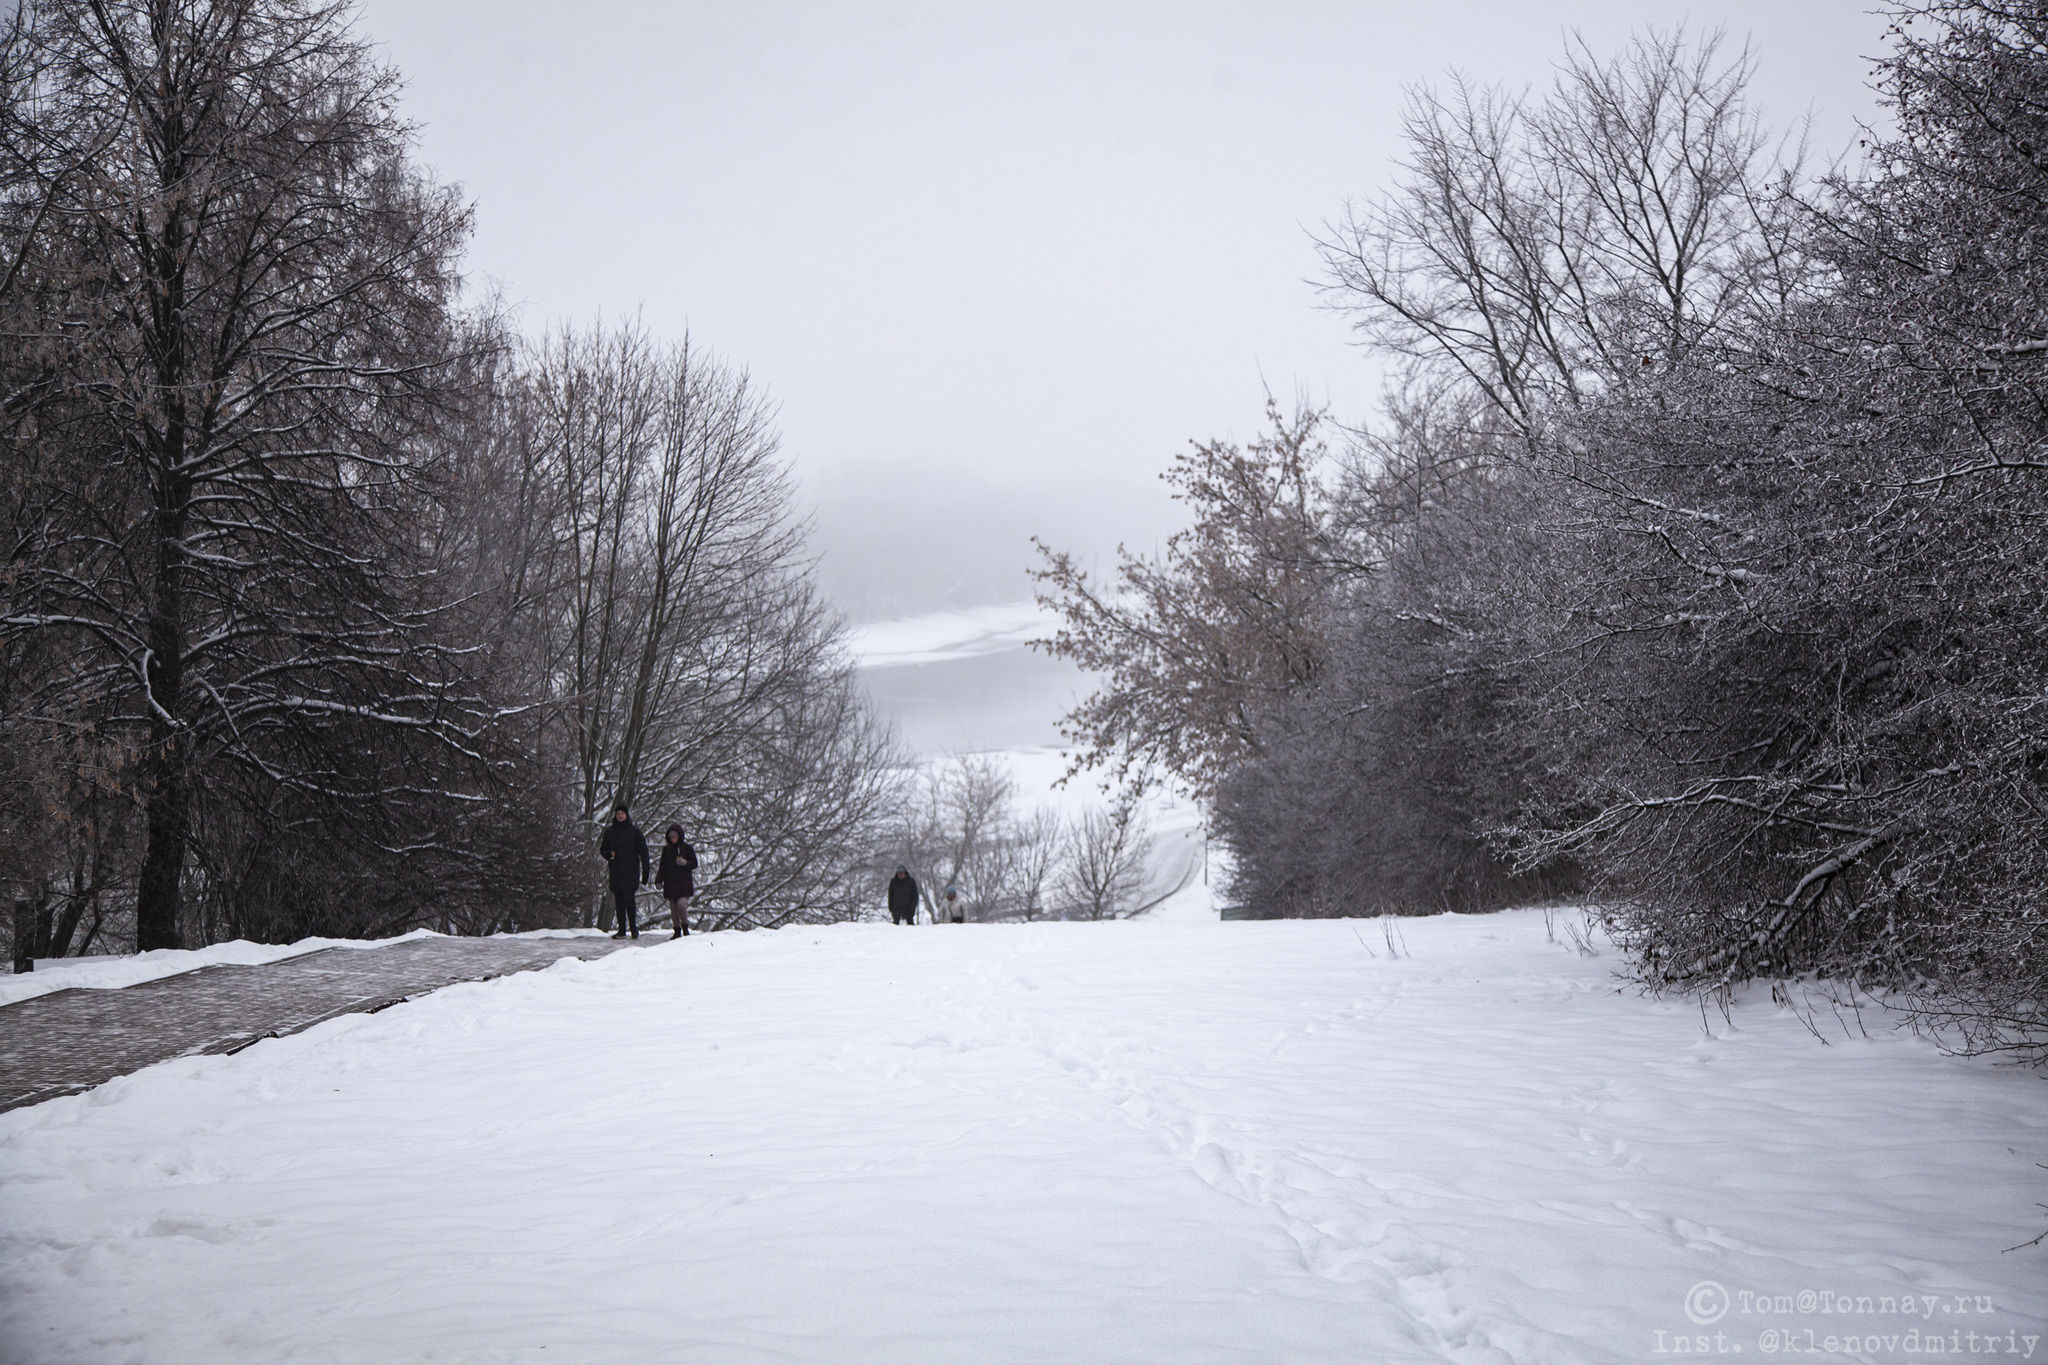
[
  {"x": 45, "y": 141},
  {"x": 66, "y": 830},
  {"x": 1377, "y": 791},
  {"x": 1041, "y": 851},
  {"x": 230, "y": 325},
  {"x": 976, "y": 797},
  {"x": 1196, "y": 644},
  {"x": 1105, "y": 873},
  {"x": 682, "y": 658},
  {"x": 361, "y": 612},
  {"x": 1543, "y": 257},
  {"x": 1842, "y": 684},
  {"x": 791, "y": 808},
  {"x": 1732, "y": 624},
  {"x": 669, "y": 589},
  {"x": 1546, "y": 250},
  {"x": 955, "y": 831}
]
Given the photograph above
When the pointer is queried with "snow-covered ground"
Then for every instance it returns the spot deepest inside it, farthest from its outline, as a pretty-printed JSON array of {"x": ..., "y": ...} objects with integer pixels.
[
  {"x": 114, "y": 971},
  {"x": 1336, "y": 1141}
]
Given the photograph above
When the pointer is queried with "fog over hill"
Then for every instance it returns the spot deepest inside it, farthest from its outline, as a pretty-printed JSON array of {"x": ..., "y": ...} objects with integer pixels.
[{"x": 997, "y": 263}]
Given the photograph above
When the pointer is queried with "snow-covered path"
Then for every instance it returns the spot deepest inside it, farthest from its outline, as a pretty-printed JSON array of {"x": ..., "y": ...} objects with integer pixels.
[{"x": 1053, "y": 1144}]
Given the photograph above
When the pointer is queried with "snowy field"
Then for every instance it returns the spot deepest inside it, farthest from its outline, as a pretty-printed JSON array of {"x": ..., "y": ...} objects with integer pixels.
[{"x": 1451, "y": 1140}]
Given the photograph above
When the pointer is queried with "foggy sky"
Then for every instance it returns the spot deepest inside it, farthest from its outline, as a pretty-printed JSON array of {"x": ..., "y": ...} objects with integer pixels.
[{"x": 998, "y": 262}]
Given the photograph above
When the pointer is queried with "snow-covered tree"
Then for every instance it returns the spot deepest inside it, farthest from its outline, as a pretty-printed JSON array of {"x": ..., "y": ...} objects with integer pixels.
[{"x": 230, "y": 320}]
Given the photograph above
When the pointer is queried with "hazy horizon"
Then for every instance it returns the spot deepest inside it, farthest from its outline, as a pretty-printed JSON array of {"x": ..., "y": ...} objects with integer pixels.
[{"x": 996, "y": 262}]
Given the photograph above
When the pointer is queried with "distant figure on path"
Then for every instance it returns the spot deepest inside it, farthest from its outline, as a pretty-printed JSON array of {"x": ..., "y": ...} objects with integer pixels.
[
  {"x": 953, "y": 907},
  {"x": 678, "y": 861},
  {"x": 625, "y": 848},
  {"x": 902, "y": 897}
]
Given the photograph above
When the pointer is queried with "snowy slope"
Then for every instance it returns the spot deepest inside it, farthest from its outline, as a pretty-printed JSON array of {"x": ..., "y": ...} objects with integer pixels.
[{"x": 1144, "y": 1142}]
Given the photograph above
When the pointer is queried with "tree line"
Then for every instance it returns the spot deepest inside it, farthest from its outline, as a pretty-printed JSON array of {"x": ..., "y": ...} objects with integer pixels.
[
  {"x": 327, "y": 603},
  {"x": 1697, "y": 562},
  {"x": 960, "y": 827}
]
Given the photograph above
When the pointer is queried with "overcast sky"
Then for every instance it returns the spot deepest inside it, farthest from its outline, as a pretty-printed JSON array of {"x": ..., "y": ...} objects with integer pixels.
[{"x": 998, "y": 262}]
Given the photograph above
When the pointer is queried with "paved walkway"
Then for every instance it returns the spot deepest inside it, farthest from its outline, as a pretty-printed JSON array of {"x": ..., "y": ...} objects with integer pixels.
[{"x": 73, "y": 1040}]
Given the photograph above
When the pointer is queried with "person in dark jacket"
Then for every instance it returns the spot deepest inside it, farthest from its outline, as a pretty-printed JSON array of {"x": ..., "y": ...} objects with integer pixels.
[
  {"x": 902, "y": 897},
  {"x": 678, "y": 862},
  {"x": 625, "y": 848}
]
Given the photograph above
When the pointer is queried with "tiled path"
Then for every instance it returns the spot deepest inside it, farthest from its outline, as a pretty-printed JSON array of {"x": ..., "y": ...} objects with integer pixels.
[{"x": 72, "y": 1040}]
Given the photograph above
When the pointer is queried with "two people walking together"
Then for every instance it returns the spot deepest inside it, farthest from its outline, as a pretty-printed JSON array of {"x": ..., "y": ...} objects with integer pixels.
[
  {"x": 903, "y": 899},
  {"x": 624, "y": 849}
]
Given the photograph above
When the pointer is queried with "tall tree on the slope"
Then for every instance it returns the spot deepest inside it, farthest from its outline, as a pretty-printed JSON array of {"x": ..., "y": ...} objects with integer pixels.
[
  {"x": 240, "y": 305},
  {"x": 693, "y": 665},
  {"x": 1542, "y": 251},
  {"x": 1198, "y": 643},
  {"x": 1908, "y": 409},
  {"x": 1540, "y": 255}
]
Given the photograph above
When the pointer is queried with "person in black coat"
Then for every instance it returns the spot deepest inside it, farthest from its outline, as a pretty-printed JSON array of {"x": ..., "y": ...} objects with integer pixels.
[
  {"x": 678, "y": 862},
  {"x": 625, "y": 848},
  {"x": 903, "y": 897}
]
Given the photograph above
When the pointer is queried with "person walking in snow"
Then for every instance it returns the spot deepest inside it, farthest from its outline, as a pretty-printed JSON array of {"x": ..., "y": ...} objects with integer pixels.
[
  {"x": 902, "y": 897},
  {"x": 625, "y": 848},
  {"x": 953, "y": 907},
  {"x": 678, "y": 862}
]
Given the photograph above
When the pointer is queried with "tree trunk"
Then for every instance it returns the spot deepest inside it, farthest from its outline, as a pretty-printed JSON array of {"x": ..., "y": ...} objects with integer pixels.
[
  {"x": 40, "y": 941},
  {"x": 169, "y": 794},
  {"x": 169, "y": 821},
  {"x": 24, "y": 937},
  {"x": 65, "y": 925},
  {"x": 163, "y": 861}
]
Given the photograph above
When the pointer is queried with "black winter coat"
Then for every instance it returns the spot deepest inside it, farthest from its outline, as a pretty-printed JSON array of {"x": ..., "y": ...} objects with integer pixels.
[
  {"x": 678, "y": 861},
  {"x": 625, "y": 848},
  {"x": 902, "y": 895}
]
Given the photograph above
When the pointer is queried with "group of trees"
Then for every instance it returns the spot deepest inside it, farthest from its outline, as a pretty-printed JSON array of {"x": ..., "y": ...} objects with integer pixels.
[
  {"x": 632, "y": 526},
  {"x": 1699, "y": 561},
  {"x": 326, "y": 604},
  {"x": 962, "y": 829}
]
